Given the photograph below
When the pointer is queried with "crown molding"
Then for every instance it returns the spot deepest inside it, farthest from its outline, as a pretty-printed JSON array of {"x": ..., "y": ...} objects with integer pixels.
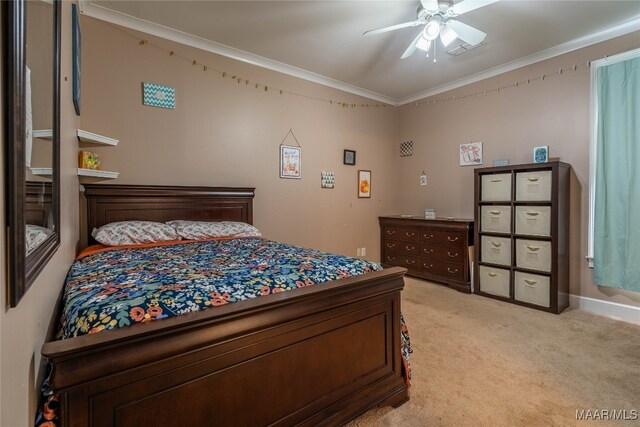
[
  {"x": 619, "y": 30},
  {"x": 98, "y": 12}
]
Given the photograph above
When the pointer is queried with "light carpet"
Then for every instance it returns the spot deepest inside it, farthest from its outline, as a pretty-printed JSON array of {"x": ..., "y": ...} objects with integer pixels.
[{"x": 482, "y": 362}]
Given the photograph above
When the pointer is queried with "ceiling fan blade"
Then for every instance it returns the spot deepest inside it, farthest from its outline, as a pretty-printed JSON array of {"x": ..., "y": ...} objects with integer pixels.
[
  {"x": 466, "y": 33},
  {"x": 430, "y": 4},
  {"x": 469, "y": 5},
  {"x": 391, "y": 28},
  {"x": 412, "y": 47}
]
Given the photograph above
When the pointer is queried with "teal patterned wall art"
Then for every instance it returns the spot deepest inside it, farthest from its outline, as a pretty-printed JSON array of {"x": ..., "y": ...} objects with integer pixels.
[{"x": 157, "y": 95}]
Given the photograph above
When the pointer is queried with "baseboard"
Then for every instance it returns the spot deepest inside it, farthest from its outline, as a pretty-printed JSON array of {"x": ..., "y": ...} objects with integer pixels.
[{"x": 626, "y": 313}]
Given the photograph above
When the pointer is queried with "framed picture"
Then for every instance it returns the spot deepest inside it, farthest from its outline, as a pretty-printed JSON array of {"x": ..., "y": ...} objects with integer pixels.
[
  {"x": 541, "y": 154},
  {"x": 364, "y": 184},
  {"x": 471, "y": 154},
  {"x": 290, "y": 162},
  {"x": 349, "y": 157},
  {"x": 158, "y": 95},
  {"x": 75, "y": 47},
  {"x": 327, "y": 179}
]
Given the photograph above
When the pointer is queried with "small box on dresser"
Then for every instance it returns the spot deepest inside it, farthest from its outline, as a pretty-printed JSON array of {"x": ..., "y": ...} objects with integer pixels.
[
  {"x": 522, "y": 234},
  {"x": 432, "y": 249}
]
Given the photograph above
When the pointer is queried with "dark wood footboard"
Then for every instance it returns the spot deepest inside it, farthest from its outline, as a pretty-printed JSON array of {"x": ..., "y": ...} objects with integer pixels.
[{"x": 320, "y": 355}]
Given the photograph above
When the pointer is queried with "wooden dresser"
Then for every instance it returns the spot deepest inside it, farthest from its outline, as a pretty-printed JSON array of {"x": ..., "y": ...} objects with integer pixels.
[{"x": 432, "y": 249}]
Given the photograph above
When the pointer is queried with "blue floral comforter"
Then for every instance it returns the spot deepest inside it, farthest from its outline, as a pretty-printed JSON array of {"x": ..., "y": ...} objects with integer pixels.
[{"x": 121, "y": 287}]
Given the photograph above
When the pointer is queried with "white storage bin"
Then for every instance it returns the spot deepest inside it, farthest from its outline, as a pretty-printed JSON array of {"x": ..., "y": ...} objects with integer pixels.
[
  {"x": 494, "y": 281},
  {"x": 496, "y": 219},
  {"x": 496, "y": 188},
  {"x": 533, "y": 254},
  {"x": 533, "y": 186},
  {"x": 496, "y": 250},
  {"x": 532, "y": 288},
  {"x": 533, "y": 220}
]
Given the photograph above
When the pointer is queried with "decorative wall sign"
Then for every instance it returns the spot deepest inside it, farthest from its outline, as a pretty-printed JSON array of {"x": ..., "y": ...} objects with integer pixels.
[
  {"x": 406, "y": 149},
  {"x": 541, "y": 154},
  {"x": 157, "y": 95},
  {"x": 327, "y": 179},
  {"x": 471, "y": 154},
  {"x": 349, "y": 157},
  {"x": 364, "y": 184},
  {"x": 423, "y": 178},
  {"x": 75, "y": 47},
  {"x": 290, "y": 162}
]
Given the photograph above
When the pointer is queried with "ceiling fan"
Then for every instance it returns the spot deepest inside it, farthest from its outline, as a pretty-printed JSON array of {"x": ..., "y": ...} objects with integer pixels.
[{"x": 438, "y": 20}]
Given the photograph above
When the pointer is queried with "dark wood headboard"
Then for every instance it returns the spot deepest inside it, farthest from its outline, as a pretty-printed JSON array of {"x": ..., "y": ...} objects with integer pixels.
[{"x": 110, "y": 203}]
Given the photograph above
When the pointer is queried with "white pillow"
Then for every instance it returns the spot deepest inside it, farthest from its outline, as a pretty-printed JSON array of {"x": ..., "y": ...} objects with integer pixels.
[
  {"x": 200, "y": 230},
  {"x": 34, "y": 236},
  {"x": 134, "y": 233}
]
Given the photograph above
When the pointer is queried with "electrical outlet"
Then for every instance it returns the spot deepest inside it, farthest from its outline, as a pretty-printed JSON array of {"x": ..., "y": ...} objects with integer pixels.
[
  {"x": 363, "y": 252},
  {"x": 358, "y": 252}
]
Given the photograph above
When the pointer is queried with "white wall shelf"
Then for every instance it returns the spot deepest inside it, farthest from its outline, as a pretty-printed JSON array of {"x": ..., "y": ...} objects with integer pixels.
[
  {"x": 92, "y": 139},
  {"x": 42, "y": 171},
  {"x": 43, "y": 134},
  {"x": 93, "y": 173}
]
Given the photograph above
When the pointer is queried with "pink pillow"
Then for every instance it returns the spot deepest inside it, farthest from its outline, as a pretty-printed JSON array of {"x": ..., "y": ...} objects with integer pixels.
[
  {"x": 134, "y": 233},
  {"x": 200, "y": 230}
]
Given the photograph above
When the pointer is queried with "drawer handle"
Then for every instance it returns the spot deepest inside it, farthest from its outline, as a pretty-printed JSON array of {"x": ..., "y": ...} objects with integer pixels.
[
  {"x": 533, "y": 178},
  {"x": 452, "y": 256},
  {"x": 533, "y": 248},
  {"x": 495, "y": 212},
  {"x": 428, "y": 266},
  {"x": 496, "y": 180},
  {"x": 496, "y": 244},
  {"x": 430, "y": 236},
  {"x": 455, "y": 270},
  {"x": 391, "y": 232},
  {"x": 452, "y": 239},
  {"x": 533, "y": 213},
  {"x": 391, "y": 258},
  {"x": 410, "y": 234},
  {"x": 391, "y": 245},
  {"x": 410, "y": 261},
  {"x": 409, "y": 248},
  {"x": 492, "y": 274},
  {"x": 530, "y": 282},
  {"x": 430, "y": 251}
]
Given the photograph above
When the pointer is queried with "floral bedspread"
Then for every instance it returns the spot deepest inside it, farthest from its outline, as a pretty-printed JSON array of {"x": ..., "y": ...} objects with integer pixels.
[{"x": 121, "y": 287}]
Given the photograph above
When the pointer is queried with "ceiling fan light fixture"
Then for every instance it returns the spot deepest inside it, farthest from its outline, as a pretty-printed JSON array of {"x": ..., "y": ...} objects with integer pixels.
[
  {"x": 423, "y": 44},
  {"x": 447, "y": 35},
  {"x": 431, "y": 30}
]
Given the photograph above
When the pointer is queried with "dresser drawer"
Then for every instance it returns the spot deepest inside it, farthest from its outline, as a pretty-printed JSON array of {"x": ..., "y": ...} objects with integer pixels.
[
  {"x": 409, "y": 262},
  {"x": 533, "y": 254},
  {"x": 496, "y": 188},
  {"x": 441, "y": 269},
  {"x": 533, "y": 186},
  {"x": 443, "y": 253},
  {"x": 402, "y": 248},
  {"x": 407, "y": 234},
  {"x": 533, "y": 220},
  {"x": 494, "y": 281},
  {"x": 532, "y": 288},
  {"x": 446, "y": 238},
  {"x": 496, "y": 250},
  {"x": 495, "y": 219}
]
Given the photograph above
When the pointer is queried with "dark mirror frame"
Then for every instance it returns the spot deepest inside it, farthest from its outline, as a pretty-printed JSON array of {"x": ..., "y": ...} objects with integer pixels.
[{"x": 23, "y": 270}]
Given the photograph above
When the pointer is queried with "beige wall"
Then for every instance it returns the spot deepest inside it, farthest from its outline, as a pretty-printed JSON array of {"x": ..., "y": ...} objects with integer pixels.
[
  {"x": 23, "y": 329},
  {"x": 223, "y": 133},
  {"x": 510, "y": 123}
]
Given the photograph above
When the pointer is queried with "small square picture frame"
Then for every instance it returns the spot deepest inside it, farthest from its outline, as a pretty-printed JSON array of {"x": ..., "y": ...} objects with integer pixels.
[
  {"x": 541, "y": 154},
  {"x": 349, "y": 157}
]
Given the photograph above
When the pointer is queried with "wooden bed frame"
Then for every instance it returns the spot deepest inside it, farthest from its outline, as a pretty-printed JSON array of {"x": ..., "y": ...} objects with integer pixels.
[{"x": 319, "y": 355}]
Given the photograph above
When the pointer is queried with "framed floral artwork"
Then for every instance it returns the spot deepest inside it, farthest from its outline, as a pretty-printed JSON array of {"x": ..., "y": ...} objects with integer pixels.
[
  {"x": 471, "y": 154},
  {"x": 290, "y": 162},
  {"x": 364, "y": 184}
]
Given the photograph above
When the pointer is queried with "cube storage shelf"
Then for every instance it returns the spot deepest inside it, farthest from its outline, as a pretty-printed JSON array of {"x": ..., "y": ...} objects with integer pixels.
[{"x": 522, "y": 234}]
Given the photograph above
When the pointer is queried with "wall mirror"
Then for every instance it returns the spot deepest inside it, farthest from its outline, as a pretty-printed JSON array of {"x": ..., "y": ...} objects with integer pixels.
[{"x": 32, "y": 138}]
